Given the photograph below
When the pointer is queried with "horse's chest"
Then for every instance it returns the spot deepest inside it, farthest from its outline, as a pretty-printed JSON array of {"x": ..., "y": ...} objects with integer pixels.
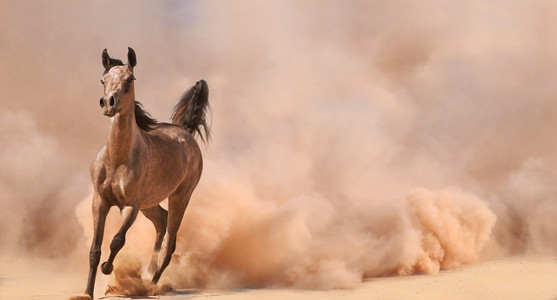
[{"x": 119, "y": 186}]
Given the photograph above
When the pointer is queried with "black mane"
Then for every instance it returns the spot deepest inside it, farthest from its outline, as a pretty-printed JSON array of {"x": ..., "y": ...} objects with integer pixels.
[{"x": 143, "y": 118}]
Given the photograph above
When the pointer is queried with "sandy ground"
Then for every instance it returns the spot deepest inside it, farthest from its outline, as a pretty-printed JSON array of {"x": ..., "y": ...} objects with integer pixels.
[{"x": 516, "y": 278}]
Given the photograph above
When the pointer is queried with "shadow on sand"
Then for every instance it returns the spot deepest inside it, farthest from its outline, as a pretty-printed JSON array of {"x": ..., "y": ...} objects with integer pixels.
[{"x": 190, "y": 293}]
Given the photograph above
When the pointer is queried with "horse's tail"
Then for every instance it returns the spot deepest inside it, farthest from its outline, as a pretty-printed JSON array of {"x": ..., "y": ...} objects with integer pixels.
[{"x": 192, "y": 110}]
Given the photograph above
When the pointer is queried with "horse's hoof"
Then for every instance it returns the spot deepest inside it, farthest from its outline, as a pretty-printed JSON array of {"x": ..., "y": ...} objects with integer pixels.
[{"x": 106, "y": 268}]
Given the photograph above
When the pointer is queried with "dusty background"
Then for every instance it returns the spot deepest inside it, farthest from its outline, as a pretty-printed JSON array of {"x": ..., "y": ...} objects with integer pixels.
[{"x": 350, "y": 140}]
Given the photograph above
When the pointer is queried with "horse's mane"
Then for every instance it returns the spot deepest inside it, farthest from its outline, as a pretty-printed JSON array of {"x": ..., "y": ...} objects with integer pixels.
[{"x": 143, "y": 118}]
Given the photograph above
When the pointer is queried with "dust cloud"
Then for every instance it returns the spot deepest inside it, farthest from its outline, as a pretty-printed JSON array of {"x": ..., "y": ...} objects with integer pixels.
[{"x": 350, "y": 140}]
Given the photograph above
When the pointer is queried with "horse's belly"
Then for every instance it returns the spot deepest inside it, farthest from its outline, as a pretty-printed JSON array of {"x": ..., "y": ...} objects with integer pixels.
[
  {"x": 150, "y": 203},
  {"x": 150, "y": 198},
  {"x": 155, "y": 190}
]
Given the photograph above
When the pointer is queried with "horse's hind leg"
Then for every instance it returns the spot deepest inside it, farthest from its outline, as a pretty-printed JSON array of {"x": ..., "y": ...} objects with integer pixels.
[
  {"x": 177, "y": 204},
  {"x": 158, "y": 216},
  {"x": 129, "y": 213}
]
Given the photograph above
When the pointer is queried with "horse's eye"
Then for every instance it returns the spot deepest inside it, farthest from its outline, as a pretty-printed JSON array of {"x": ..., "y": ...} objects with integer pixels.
[
  {"x": 130, "y": 79},
  {"x": 102, "y": 81}
]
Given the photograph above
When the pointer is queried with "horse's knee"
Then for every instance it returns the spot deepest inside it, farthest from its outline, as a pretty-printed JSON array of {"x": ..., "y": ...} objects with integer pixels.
[
  {"x": 117, "y": 242},
  {"x": 94, "y": 257}
]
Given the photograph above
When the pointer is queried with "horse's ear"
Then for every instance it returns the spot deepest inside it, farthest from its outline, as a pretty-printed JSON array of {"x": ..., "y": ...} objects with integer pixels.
[
  {"x": 109, "y": 62},
  {"x": 106, "y": 60},
  {"x": 132, "y": 61}
]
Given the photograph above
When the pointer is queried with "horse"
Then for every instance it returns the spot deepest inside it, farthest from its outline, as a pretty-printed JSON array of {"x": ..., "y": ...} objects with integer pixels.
[{"x": 143, "y": 163}]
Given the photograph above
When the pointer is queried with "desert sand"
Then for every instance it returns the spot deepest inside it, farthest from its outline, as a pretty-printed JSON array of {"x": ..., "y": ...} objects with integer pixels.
[{"x": 514, "y": 278}]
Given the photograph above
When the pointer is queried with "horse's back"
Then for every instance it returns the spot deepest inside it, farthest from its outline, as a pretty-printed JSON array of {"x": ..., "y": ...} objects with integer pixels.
[{"x": 170, "y": 134}]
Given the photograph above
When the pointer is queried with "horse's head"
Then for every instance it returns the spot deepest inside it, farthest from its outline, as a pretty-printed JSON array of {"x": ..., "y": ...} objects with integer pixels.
[{"x": 118, "y": 84}]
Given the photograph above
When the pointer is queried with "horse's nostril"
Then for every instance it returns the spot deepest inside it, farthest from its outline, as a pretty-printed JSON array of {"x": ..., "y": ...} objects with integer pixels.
[
  {"x": 112, "y": 101},
  {"x": 101, "y": 103}
]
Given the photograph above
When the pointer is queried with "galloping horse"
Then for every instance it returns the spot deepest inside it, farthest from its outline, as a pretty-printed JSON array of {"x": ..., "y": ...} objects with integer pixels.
[{"x": 143, "y": 163}]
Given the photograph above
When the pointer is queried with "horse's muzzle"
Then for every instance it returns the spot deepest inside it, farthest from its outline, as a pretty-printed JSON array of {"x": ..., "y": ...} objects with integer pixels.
[{"x": 109, "y": 104}]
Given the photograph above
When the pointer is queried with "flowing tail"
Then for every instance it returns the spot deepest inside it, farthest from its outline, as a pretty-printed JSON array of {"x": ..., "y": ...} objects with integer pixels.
[{"x": 192, "y": 109}]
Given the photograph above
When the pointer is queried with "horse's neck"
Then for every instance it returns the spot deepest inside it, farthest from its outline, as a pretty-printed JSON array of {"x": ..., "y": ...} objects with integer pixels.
[{"x": 122, "y": 137}]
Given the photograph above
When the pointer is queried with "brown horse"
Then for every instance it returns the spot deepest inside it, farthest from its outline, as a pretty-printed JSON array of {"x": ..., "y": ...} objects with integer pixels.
[{"x": 143, "y": 163}]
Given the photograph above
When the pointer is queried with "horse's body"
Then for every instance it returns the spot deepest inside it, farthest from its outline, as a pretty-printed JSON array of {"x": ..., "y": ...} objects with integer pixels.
[
  {"x": 166, "y": 155},
  {"x": 143, "y": 163}
]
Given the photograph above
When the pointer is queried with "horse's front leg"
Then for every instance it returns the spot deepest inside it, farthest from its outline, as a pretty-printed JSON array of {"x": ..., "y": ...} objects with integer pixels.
[
  {"x": 129, "y": 213},
  {"x": 100, "y": 210}
]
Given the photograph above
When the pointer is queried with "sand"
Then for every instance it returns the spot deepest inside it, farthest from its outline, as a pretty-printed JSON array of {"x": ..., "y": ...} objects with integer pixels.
[{"x": 514, "y": 278}]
